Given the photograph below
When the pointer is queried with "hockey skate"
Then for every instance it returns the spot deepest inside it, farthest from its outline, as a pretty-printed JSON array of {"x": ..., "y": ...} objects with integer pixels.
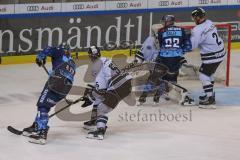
[
  {"x": 97, "y": 134},
  {"x": 207, "y": 103},
  {"x": 40, "y": 137},
  {"x": 90, "y": 125},
  {"x": 142, "y": 99},
  {"x": 156, "y": 99},
  {"x": 203, "y": 97},
  {"x": 30, "y": 130},
  {"x": 186, "y": 100}
]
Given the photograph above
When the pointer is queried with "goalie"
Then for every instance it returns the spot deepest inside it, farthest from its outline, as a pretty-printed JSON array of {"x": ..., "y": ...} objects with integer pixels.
[{"x": 173, "y": 43}]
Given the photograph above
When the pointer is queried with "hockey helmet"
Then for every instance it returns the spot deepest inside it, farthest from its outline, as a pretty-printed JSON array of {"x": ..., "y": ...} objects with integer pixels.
[
  {"x": 94, "y": 52},
  {"x": 168, "y": 20},
  {"x": 65, "y": 46},
  {"x": 198, "y": 12}
]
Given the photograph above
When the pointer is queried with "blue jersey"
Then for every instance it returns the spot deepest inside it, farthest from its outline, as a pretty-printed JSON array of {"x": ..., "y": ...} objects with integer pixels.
[
  {"x": 61, "y": 63},
  {"x": 173, "y": 42}
]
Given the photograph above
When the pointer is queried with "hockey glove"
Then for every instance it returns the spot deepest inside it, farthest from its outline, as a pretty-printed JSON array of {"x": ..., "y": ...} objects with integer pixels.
[
  {"x": 40, "y": 61},
  {"x": 87, "y": 92},
  {"x": 87, "y": 102}
]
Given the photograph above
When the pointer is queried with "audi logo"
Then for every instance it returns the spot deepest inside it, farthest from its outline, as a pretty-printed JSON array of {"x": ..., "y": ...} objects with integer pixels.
[
  {"x": 122, "y": 5},
  {"x": 163, "y": 3},
  {"x": 78, "y": 6},
  {"x": 203, "y": 1},
  {"x": 32, "y": 8}
]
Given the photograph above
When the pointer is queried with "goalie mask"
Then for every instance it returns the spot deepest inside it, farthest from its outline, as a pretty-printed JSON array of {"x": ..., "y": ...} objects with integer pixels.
[{"x": 94, "y": 53}]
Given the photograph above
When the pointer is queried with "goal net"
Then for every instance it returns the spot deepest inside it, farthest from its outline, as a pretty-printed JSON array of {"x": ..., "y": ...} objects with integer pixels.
[{"x": 194, "y": 60}]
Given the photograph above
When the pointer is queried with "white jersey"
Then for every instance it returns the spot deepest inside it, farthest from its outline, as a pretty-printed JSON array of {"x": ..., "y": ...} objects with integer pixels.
[
  {"x": 107, "y": 75},
  {"x": 205, "y": 37},
  {"x": 148, "y": 51},
  {"x": 102, "y": 72}
]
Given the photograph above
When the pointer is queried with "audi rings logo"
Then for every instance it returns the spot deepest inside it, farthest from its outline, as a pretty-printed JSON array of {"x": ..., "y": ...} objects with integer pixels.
[
  {"x": 122, "y": 5},
  {"x": 163, "y": 3},
  {"x": 203, "y": 1},
  {"x": 78, "y": 6},
  {"x": 32, "y": 8}
]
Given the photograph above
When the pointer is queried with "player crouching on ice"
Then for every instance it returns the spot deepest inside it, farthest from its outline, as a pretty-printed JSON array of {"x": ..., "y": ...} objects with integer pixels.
[
  {"x": 205, "y": 37},
  {"x": 173, "y": 43},
  {"x": 111, "y": 86},
  {"x": 56, "y": 88}
]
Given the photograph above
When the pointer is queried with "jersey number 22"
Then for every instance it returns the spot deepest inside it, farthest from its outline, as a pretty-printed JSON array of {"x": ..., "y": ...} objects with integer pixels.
[{"x": 172, "y": 42}]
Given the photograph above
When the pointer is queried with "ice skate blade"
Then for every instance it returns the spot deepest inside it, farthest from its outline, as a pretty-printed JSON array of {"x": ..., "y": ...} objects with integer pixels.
[
  {"x": 90, "y": 128},
  {"x": 37, "y": 141},
  {"x": 99, "y": 137},
  {"x": 27, "y": 134},
  {"x": 212, "y": 106},
  {"x": 186, "y": 104}
]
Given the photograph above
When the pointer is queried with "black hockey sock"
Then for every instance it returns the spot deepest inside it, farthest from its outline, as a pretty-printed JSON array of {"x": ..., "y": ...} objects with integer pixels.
[{"x": 212, "y": 82}]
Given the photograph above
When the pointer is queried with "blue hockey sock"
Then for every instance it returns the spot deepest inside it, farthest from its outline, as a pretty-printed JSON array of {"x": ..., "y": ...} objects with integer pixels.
[{"x": 42, "y": 119}]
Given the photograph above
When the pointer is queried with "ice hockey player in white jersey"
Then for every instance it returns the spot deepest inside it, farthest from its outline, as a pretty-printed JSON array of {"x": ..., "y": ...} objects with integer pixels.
[
  {"x": 111, "y": 86},
  {"x": 205, "y": 37},
  {"x": 148, "y": 51}
]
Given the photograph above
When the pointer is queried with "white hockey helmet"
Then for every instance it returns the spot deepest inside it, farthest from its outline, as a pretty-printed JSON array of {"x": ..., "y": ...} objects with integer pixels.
[{"x": 94, "y": 52}]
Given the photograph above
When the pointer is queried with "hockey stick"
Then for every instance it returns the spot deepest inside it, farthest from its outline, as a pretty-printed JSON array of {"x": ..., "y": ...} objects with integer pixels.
[
  {"x": 45, "y": 69},
  {"x": 20, "y": 132}
]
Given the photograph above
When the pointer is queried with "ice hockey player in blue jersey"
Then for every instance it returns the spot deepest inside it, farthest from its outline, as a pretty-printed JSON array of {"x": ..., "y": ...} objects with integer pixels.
[
  {"x": 56, "y": 88},
  {"x": 173, "y": 43}
]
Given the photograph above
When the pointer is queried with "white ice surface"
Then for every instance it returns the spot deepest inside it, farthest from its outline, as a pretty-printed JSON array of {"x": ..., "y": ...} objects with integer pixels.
[{"x": 210, "y": 135}]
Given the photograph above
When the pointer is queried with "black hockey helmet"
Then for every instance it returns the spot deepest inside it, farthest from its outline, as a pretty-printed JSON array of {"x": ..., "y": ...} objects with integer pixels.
[
  {"x": 64, "y": 46},
  {"x": 94, "y": 52},
  {"x": 198, "y": 12},
  {"x": 168, "y": 20}
]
